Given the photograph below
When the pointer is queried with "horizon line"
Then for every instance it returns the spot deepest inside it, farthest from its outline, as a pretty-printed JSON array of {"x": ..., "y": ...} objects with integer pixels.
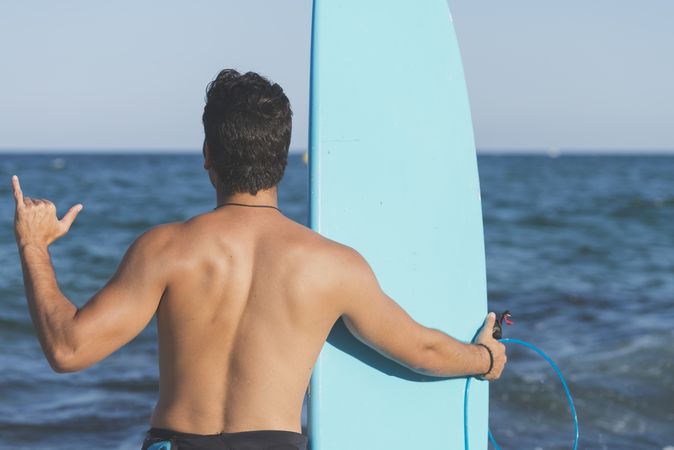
[{"x": 552, "y": 152}]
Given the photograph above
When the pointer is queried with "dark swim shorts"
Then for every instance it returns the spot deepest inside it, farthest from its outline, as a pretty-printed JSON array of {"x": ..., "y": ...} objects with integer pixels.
[{"x": 162, "y": 439}]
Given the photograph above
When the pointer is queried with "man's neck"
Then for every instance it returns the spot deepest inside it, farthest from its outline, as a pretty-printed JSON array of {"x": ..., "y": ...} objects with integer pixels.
[{"x": 268, "y": 197}]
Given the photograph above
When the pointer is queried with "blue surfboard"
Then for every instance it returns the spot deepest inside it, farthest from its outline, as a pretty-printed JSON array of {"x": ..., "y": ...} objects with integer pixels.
[{"x": 393, "y": 173}]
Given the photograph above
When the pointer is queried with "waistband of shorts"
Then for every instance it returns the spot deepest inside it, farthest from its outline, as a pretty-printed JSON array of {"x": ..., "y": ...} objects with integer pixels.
[{"x": 165, "y": 433}]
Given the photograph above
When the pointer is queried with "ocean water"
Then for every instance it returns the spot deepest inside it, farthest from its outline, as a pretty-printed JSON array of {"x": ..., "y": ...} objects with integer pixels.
[{"x": 579, "y": 248}]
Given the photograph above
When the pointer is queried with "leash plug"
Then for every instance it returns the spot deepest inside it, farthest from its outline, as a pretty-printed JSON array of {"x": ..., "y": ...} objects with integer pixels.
[{"x": 506, "y": 318}]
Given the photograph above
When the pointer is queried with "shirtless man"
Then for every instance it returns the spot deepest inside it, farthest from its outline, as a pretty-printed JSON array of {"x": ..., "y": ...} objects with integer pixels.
[{"x": 244, "y": 297}]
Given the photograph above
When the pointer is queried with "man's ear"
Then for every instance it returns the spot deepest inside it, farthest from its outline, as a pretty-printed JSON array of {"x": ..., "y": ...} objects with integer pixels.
[{"x": 207, "y": 156}]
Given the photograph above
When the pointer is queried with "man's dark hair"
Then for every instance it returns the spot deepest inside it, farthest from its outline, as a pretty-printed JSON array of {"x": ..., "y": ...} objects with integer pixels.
[{"x": 247, "y": 121}]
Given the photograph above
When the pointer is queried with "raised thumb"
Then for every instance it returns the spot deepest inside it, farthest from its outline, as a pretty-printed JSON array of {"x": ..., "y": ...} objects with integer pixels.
[
  {"x": 69, "y": 217},
  {"x": 489, "y": 321}
]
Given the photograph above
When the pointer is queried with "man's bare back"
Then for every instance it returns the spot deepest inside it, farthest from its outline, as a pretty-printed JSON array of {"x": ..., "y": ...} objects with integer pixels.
[
  {"x": 244, "y": 297},
  {"x": 242, "y": 320}
]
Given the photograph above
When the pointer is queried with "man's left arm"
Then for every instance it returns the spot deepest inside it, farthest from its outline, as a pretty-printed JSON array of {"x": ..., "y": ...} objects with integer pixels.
[{"x": 71, "y": 338}]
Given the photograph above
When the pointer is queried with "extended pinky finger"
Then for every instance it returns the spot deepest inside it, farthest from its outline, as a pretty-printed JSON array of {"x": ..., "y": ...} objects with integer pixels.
[{"x": 16, "y": 187}]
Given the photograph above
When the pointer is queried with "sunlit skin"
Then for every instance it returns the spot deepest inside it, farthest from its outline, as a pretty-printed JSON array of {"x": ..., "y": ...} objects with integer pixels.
[{"x": 244, "y": 297}]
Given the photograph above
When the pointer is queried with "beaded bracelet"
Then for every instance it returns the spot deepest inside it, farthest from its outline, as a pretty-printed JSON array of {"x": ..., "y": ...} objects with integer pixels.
[{"x": 491, "y": 360}]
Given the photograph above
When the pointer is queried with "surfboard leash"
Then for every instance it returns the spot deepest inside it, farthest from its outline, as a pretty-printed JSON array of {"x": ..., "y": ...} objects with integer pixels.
[{"x": 498, "y": 334}]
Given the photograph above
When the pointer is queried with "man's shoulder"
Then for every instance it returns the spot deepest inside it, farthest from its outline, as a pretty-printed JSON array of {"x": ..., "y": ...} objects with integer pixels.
[
  {"x": 324, "y": 248},
  {"x": 157, "y": 238},
  {"x": 322, "y": 269},
  {"x": 329, "y": 259},
  {"x": 160, "y": 233}
]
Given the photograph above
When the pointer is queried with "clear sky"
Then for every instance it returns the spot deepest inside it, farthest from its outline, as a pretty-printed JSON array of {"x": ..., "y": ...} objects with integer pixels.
[{"x": 95, "y": 75}]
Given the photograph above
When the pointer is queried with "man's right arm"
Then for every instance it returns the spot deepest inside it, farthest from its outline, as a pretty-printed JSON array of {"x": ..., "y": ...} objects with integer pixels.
[{"x": 379, "y": 322}]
